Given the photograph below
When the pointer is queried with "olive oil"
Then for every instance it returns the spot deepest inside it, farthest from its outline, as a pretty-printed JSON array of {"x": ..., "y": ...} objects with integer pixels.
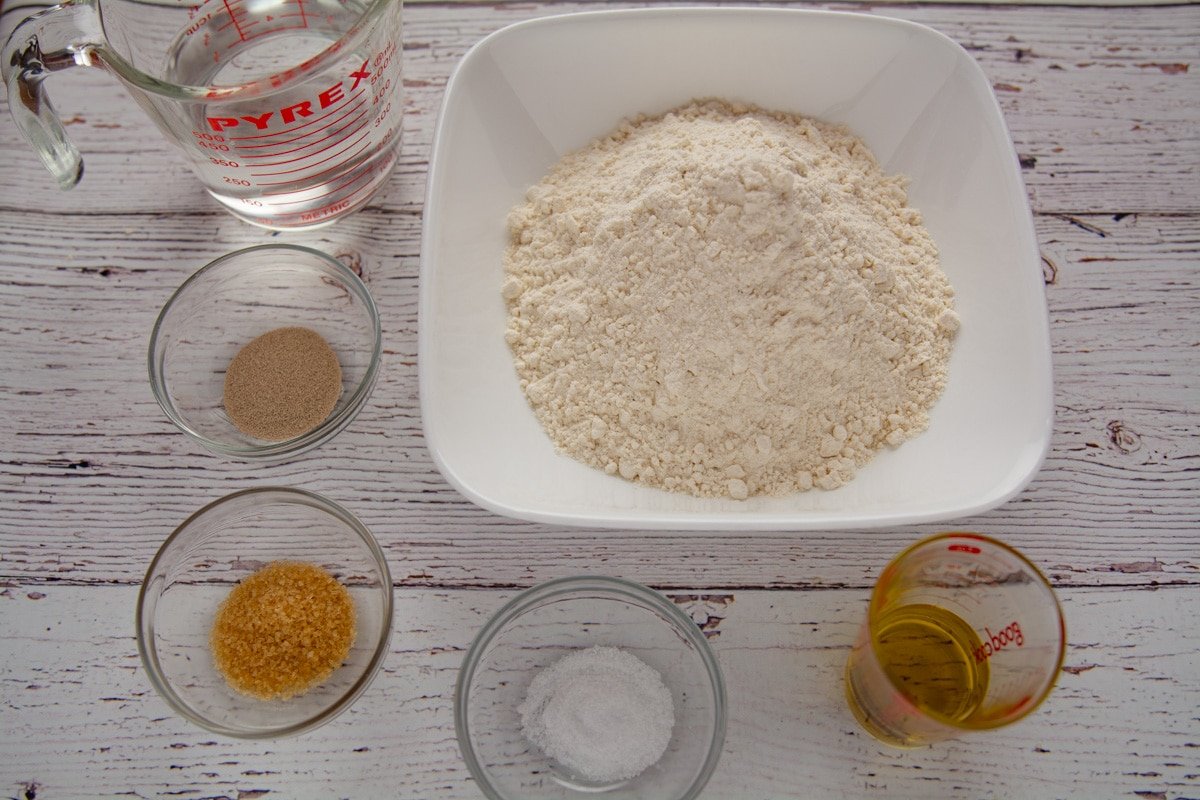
[
  {"x": 929, "y": 654},
  {"x": 962, "y": 634}
]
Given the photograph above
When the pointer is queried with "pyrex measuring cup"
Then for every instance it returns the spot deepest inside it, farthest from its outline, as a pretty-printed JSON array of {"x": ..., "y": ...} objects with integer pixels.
[
  {"x": 288, "y": 111},
  {"x": 963, "y": 634}
]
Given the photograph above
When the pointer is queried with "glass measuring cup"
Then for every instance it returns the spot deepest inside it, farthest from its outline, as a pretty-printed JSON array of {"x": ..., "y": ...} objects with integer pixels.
[
  {"x": 962, "y": 633},
  {"x": 288, "y": 111}
]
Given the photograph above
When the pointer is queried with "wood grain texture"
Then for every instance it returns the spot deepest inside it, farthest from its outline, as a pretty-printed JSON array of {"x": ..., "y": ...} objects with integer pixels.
[
  {"x": 1122, "y": 296},
  {"x": 1102, "y": 105},
  {"x": 782, "y": 653},
  {"x": 1115, "y": 503}
]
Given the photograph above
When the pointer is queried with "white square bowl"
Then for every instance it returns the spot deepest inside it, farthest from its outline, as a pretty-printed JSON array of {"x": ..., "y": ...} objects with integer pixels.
[{"x": 530, "y": 93}]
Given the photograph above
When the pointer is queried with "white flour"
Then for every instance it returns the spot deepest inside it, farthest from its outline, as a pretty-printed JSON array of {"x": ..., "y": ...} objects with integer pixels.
[{"x": 726, "y": 302}]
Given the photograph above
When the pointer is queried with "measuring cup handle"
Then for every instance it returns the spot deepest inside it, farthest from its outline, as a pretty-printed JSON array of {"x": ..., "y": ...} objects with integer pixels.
[{"x": 55, "y": 39}]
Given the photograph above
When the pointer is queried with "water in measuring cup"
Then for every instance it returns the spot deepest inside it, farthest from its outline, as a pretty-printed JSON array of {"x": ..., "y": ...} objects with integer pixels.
[{"x": 302, "y": 155}]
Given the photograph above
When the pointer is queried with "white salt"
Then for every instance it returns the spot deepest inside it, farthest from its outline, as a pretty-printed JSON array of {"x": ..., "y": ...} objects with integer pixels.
[{"x": 602, "y": 713}]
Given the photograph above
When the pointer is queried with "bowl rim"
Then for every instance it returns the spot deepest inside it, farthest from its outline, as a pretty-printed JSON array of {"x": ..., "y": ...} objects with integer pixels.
[
  {"x": 297, "y": 444},
  {"x": 561, "y": 587},
  {"x": 782, "y": 522},
  {"x": 148, "y": 653}
]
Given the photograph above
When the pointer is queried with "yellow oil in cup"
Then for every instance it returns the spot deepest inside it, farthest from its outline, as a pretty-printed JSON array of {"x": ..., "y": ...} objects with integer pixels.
[{"x": 963, "y": 633}]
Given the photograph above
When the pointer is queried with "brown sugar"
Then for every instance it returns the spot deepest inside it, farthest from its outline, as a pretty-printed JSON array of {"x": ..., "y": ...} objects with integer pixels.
[
  {"x": 282, "y": 384},
  {"x": 283, "y": 630}
]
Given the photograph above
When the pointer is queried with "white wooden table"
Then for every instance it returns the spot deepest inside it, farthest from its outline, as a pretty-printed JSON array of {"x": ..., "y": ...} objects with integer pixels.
[{"x": 1104, "y": 107}]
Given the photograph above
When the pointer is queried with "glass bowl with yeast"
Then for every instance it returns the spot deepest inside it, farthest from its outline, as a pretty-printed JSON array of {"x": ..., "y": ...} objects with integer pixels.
[
  {"x": 265, "y": 614},
  {"x": 266, "y": 352},
  {"x": 590, "y": 684}
]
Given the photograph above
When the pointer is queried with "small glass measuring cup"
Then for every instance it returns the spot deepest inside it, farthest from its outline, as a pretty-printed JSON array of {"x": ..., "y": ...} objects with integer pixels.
[
  {"x": 288, "y": 111},
  {"x": 963, "y": 633}
]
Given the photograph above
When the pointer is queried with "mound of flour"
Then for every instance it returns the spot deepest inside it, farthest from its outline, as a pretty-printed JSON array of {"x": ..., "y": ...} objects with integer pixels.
[{"x": 726, "y": 301}]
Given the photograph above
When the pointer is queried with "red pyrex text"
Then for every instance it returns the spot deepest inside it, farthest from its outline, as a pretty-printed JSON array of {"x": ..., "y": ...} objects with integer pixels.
[{"x": 289, "y": 114}]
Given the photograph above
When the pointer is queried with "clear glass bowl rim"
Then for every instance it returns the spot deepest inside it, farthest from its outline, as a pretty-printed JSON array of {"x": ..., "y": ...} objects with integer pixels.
[
  {"x": 563, "y": 587},
  {"x": 298, "y": 444},
  {"x": 145, "y": 633}
]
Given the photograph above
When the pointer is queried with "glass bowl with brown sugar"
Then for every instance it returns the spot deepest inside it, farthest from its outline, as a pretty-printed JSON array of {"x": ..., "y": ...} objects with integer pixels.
[
  {"x": 265, "y": 614},
  {"x": 266, "y": 352}
]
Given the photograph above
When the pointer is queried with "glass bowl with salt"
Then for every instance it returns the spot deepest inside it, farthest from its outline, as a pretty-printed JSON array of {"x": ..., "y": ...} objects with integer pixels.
[
  {"x": 265, "y": 614},
  {"x": 590, "y": 684},
  {"x": 266, "y": 352}
]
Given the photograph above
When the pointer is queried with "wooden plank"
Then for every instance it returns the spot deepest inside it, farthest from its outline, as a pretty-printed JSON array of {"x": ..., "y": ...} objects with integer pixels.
[
  {"x": 1101, "y": 104},
  {"x": 86, "y": 450},
  {"x": 21, "y": 8},
  {"x": 81, "y": 718}
]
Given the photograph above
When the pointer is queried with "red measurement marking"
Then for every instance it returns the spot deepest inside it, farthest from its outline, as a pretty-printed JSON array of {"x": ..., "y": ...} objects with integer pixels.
[
  {"x": 310, "y": 166},
  {"x": 964, "y": 548},
  {"x": 233, "y": 18},
  {"x": 995, "y": 642},
  {"x": 349, "y": 111},
  {"x": 339, "y": 137},
  {"x": 326, "y": 115},
  {"x": 321, "y": 174},
  {"x": 272, "y": 29},
  {"x": 278, "y": 22},
  {"x": 277, "y": 17},
  {"x": 339, "y": 133},
  {"x": 362, "y": 174},
  {"x": 327, "y": 210}
]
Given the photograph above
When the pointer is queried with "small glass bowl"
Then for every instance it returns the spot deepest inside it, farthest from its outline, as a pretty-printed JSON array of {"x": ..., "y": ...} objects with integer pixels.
[
  {"x": 543, "y": 624},
  {"x": 239, "y": 297},
  {"x": 200, "y": 563}
]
